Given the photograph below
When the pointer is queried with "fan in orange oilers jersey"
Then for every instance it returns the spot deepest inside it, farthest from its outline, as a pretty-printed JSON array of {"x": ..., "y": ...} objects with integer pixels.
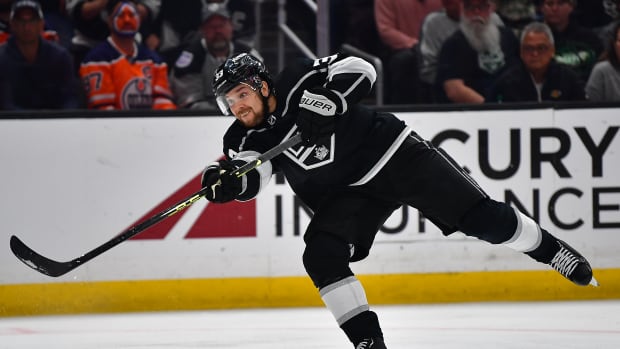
[{"x": 122, "y": 74}]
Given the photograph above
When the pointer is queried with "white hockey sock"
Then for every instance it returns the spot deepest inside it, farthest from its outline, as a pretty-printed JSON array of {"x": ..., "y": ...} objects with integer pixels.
[
  {"x": 345, "y": 299},
  {"x": 527, "y": 237}
]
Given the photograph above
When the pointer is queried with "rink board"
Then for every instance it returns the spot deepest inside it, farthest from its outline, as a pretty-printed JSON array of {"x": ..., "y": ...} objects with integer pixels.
[{"x": 70, "y": 185}]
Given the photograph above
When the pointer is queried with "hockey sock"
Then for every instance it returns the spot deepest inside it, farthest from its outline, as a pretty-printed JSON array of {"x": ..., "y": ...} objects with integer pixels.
[
  {"x": 532, "y": 240},
  {"x": 527, "y": 236},
  {"x": 363, "y": 325},
  {"x": 344, "y": 299}
]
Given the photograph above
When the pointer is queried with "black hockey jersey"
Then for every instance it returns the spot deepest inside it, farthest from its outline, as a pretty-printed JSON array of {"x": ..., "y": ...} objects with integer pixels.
[{"x": 363, "y": 142}]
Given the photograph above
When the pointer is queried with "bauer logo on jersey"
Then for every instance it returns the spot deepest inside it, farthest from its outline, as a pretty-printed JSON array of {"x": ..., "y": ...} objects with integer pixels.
[{"x": 137, "y": 94}]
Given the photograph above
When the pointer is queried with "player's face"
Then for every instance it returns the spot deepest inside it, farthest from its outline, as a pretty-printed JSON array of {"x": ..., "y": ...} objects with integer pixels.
[
  {"x": 536, "y": 51},
  {"x": 246, "y": 104}
]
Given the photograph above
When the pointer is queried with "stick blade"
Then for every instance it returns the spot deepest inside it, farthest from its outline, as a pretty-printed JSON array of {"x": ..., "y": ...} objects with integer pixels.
[{"x": 37, "y": 262}]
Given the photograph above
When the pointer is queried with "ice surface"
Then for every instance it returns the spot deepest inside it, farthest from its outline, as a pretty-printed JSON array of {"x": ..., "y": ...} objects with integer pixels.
[{"x": 564, "y": 325}]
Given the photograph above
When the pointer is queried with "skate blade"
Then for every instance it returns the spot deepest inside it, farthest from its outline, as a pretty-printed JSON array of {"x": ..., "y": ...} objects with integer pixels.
[{"x": 593, "y": 282}]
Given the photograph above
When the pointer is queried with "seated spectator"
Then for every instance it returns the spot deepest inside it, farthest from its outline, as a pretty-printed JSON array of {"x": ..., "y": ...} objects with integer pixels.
[
  {"x": 56, "y": 19},
  {"x": 121, "y": 73},
  {"x": 242, "y": 17},
  {"x": 5, "y": 31},
  {"x": 178, "y": 24},
  {"x": 358, "y": 28},
  {"x": 575, "y": 46},
  {"x": 516, "y": 14},
  {"x": 474, "y": 56},
  {"x": 604, "y": 82},
  {"x": 90, "y": 20},
  {"x": 538, "y": 77},
  {"x": 595, "y": 14},
  {"x": 398, "y": 24},
  {"x": 192, "y": 75},
  {"x": 34, "y": 73},
  {"x": 5, "y": 12},
  {"x": 436, "y": 28},
  {"x": 612, "y": 8}
]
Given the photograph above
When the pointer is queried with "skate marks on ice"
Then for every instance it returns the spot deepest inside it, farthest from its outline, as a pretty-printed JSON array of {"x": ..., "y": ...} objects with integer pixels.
[{"x": 583, "y": 325}]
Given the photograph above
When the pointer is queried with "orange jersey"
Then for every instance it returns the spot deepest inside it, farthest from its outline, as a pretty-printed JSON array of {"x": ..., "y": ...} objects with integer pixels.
[{"x": 114, "y": 81}]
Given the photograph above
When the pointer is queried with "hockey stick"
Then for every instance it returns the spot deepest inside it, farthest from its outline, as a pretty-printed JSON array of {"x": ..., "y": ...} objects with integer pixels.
[{"x": 53, "y": 268}]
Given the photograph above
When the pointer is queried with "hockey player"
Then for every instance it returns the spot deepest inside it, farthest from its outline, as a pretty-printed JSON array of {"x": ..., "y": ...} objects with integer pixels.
[{"x": 355, "y": 167}]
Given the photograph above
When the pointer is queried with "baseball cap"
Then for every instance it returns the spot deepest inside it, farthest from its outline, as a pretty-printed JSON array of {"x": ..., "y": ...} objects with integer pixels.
[
  {"x": 210, "y": 10},
  {"x": 22, "y": 4}
]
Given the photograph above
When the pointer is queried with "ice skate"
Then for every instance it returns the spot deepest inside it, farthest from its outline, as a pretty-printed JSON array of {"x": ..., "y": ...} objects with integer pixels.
[
  {"x": 572, "y": 265},
  {"x": 371, "y": 343}
]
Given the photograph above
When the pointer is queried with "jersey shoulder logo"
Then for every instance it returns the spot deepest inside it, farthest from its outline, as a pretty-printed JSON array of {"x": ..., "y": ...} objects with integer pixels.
[{"x": 184, "y": 60}]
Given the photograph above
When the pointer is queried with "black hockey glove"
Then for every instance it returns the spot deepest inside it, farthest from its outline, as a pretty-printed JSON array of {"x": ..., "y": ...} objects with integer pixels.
[
  {"x": 317, "y": 114},
  {"x": 223, "y": 186}
]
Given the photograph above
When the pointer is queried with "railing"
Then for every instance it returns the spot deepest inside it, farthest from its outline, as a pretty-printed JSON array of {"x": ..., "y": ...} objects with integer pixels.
[{"x": 285, "y": 32}]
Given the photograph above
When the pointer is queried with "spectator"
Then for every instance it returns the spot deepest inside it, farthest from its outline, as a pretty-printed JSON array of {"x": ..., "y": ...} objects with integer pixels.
[
  {"x": 473, "y": 57},
  {"x": 399, "y": 23},
  {"x": 604, "y": 82},
  {"x": 359, "y": 28},
  {"x": 516, "y": 14},
  {"x": 192, "y": 75},
  {"x": 90, "y": 20},
  {"x": 612, "y": 8},
  {"x": 56, "y": 19},
  {"x": 5, "y": 30},
  {"x": 242, "y": 17},
  {"x": 436, "y": 28},
  {"x": 595, "y": 14},
  {"x": 5, "y": 12},
  {"x": 538, "y": 77},
  {"x": 575, "y": 46},
  {"x": 177, "y": 24},
  {"x": 34, "y": 73},
  {"x": 121, "y": 73}
]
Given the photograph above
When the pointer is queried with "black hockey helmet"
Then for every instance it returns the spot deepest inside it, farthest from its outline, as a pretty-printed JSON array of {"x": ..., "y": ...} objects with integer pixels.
[{"x": 243, "y": 68}]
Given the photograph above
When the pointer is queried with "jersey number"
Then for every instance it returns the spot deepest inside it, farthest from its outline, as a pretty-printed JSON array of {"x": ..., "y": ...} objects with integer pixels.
[{"x": 93, "y": 80}]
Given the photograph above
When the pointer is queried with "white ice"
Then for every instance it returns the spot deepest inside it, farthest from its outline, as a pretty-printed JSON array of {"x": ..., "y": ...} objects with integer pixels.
[{"x": 562, "y": 325}]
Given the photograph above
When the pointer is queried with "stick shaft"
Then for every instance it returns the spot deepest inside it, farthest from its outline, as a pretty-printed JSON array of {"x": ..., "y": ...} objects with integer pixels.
[{"x": 53, "y": 268}]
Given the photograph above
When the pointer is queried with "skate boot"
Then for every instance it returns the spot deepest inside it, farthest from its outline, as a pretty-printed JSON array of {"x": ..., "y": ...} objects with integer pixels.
[
  {"x": 371, "y": 343},
  {"x": 572, "y": 265}
]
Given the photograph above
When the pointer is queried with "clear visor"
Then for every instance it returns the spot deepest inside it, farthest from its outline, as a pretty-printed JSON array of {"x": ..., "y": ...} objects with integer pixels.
[{"x": 237, "y": 94}]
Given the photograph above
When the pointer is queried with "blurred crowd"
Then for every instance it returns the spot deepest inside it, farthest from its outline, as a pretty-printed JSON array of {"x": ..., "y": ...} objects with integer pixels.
[
  {"x": 484, "y": 51},
  {"x": 161, "y": 54},
  {"x": 118, "y": 54}
]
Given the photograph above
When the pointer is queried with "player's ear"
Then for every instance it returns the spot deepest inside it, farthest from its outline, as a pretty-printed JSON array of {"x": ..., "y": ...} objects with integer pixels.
[{"x": 264, "y": 89}]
